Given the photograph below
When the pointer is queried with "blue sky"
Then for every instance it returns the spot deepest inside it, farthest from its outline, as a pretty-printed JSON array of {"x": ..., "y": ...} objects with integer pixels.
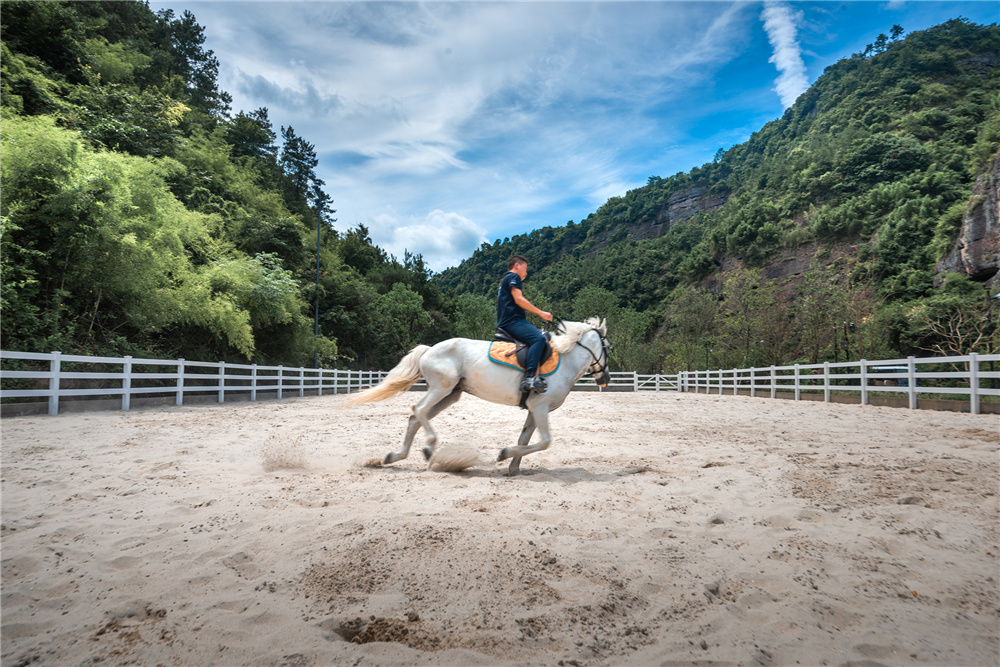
[{"x": 442, "y": 125}]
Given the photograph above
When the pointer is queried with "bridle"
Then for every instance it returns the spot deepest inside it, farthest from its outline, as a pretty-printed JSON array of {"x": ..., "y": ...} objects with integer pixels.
[{"x": 601, "y": 361}]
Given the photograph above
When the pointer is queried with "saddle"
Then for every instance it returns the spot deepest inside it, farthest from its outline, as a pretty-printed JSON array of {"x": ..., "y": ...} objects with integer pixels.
[{"x": 507, "y": 351}]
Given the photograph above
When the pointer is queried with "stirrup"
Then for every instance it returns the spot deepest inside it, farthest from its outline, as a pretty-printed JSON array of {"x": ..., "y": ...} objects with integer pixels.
[{"x": 534, "y": 384}]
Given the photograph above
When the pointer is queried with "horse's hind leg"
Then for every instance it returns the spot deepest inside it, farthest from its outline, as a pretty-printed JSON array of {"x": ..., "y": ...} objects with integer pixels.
[
  {"x": 411, "y": 430},
  {"x": 515, "y": 463},
  {"x": 444, "y": 403},
  {"x": 420, "y": 415}
]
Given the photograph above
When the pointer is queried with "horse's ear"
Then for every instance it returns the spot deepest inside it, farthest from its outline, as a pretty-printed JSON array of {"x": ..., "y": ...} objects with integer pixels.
[{"x": 604, "y": 327}]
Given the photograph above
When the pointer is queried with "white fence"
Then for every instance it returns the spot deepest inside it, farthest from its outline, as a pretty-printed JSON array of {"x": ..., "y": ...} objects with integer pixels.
[
  {"x": 182, "y": 378},
  {"x": 857, "y": 377},
  {"x": 178, "y": 377},
  {"x": 631, "y": 381}
]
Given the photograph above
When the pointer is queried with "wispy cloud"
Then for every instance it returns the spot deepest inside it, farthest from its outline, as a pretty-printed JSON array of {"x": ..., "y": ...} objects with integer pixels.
[{"x": 780, "y": 25}]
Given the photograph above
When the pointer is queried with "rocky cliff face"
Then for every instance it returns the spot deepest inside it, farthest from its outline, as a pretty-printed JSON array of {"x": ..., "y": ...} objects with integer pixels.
[
  {"x": 681, "y": 206},
  {"x": 686, "y": 203},
  {"x": 976, "y": 253}
]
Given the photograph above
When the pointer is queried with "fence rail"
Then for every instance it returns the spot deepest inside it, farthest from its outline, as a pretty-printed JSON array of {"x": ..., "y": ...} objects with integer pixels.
[
  {"x": 183, "y": 378},
  {"x": 858, "y": 377},
  {"x": 132, "y": 377}
]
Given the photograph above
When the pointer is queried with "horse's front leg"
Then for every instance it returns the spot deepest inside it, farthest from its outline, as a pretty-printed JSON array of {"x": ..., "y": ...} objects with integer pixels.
[
  {"x": 540, "y": 420},
  {"x": 515, "y": 463}
]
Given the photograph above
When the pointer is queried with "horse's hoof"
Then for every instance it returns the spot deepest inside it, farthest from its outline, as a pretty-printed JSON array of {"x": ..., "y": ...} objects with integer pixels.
[
  {"x": 391, "y": 457},
  {"x": 427, "y": 453},
  {"x": 504, "y": 454}
]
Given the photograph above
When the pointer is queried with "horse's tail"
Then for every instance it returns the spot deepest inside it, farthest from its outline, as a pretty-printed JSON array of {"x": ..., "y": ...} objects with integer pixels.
[{"x": 399, "y": 379}]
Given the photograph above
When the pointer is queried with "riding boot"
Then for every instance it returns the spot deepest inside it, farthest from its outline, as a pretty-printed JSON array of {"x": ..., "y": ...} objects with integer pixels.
[{"x": 534, "y": 384}]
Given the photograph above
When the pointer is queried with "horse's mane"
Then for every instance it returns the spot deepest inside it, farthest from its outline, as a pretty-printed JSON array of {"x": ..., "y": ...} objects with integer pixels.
[{"x": 572, "y": 332}]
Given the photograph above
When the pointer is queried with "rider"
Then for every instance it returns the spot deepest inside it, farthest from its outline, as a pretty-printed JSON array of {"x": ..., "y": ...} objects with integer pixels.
[{"x": 511, "y": 305}]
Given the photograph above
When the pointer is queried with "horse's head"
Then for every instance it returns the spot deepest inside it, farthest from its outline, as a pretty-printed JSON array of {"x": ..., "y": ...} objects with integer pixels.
[{"x": 599, "y": 367}]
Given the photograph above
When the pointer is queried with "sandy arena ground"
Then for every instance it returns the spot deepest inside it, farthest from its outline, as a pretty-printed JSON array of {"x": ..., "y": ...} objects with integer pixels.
[{"x": 659, "y": 529}]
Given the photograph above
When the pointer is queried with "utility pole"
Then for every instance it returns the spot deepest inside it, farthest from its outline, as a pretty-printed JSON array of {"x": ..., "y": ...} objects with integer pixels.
[{"x": 319, "y": 219}]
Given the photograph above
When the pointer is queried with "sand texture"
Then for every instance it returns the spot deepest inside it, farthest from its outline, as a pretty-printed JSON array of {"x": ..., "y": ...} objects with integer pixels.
[{"x": 659, "y": 529}]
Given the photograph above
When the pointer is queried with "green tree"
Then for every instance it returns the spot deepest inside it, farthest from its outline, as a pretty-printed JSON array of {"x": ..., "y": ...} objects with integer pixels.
[
  {"x": 401, "y": 323},
  {"x": 818, "y": 305},
  {"x": 198, "y": 68},
  {"x": 745, "y": 315},
  {"x": 298, "y": 162},
  {"x": 252, "y": 135},
  {"x": 475, "y": 317},
  {"x": 958, "y": 319},
  {"x": 690, "y": 323}
]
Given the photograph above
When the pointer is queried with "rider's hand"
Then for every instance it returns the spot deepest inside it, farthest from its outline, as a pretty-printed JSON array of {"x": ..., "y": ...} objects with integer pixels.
[{"x": 546, "y": 315}]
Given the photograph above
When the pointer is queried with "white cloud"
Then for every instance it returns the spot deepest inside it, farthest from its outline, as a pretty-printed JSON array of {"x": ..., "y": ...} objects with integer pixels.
[
  {"x": 780, "y": 24},
  {"x": 444, "y": 239},
  {"x": 512, "y": 115}
]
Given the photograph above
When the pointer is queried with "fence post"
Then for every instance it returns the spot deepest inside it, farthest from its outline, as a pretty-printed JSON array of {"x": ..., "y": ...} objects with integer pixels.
[
  {"x": 826, "y": 381},
  {"x": 55, "y": 367},
  {"x": 635, "y": 381},
  {"x": 281, "y": 375},
  {"x": 911, "y": 373},
  {"x": 974, "y": 383},
  {"x": 753, "y": 382},
  {"x": 798, "y": 388},
  {"x": 302, "y": 381},
  {"x": 180, "y": 383},
  {"x": 222, "y": 382},
  {"x": 319, "y": 381},
  {"x": 774, "y": 383},
  {"x": 253, "y": 382},
  {"x": 127, "y": 383},
  {"x": 864, "y": 382}
]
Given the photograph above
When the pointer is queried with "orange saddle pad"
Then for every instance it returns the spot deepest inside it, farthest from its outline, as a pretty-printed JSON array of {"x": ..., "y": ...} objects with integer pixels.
[{"x": 503, "y": 353}]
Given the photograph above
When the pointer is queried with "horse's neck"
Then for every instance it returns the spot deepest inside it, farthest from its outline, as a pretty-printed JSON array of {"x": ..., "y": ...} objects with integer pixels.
[{"x": 580, "y": 357}]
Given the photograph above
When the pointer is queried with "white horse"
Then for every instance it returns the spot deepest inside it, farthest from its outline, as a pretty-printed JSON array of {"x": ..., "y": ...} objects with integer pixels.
[{"x": 462, "y": 365}]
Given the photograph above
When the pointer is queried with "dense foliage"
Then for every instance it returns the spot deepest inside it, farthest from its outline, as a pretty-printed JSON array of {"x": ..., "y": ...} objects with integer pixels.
[
  {"x": 867, "y": 174},
  {"x": 141, "y": 216}
]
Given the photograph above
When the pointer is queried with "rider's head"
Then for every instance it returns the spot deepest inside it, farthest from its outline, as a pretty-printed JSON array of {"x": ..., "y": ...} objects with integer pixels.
[{"x": 518, "y": 265}]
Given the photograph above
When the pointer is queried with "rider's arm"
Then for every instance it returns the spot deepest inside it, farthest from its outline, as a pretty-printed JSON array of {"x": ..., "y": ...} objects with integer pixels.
[{"x": 524, "y": 303}]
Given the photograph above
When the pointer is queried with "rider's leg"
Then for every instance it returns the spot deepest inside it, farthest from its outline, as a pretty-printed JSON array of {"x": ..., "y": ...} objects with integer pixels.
[{"x": 526, "y": 332}]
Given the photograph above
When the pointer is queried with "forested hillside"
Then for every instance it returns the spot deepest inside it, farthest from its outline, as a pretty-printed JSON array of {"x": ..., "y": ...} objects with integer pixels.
[
  {"x": 815, "y": 240},
  {"x": 142, "y": 215}
]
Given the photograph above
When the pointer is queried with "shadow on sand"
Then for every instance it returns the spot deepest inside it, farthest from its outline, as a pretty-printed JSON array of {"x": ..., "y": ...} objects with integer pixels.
[{"x": 545, "y": 475}]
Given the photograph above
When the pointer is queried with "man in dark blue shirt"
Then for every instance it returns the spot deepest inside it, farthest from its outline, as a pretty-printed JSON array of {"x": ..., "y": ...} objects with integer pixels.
[{"x": 511, "y": 305}]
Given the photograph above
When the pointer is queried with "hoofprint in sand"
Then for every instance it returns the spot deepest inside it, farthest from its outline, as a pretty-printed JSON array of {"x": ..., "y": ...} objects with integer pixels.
[{"x": 658, "y": 528}]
